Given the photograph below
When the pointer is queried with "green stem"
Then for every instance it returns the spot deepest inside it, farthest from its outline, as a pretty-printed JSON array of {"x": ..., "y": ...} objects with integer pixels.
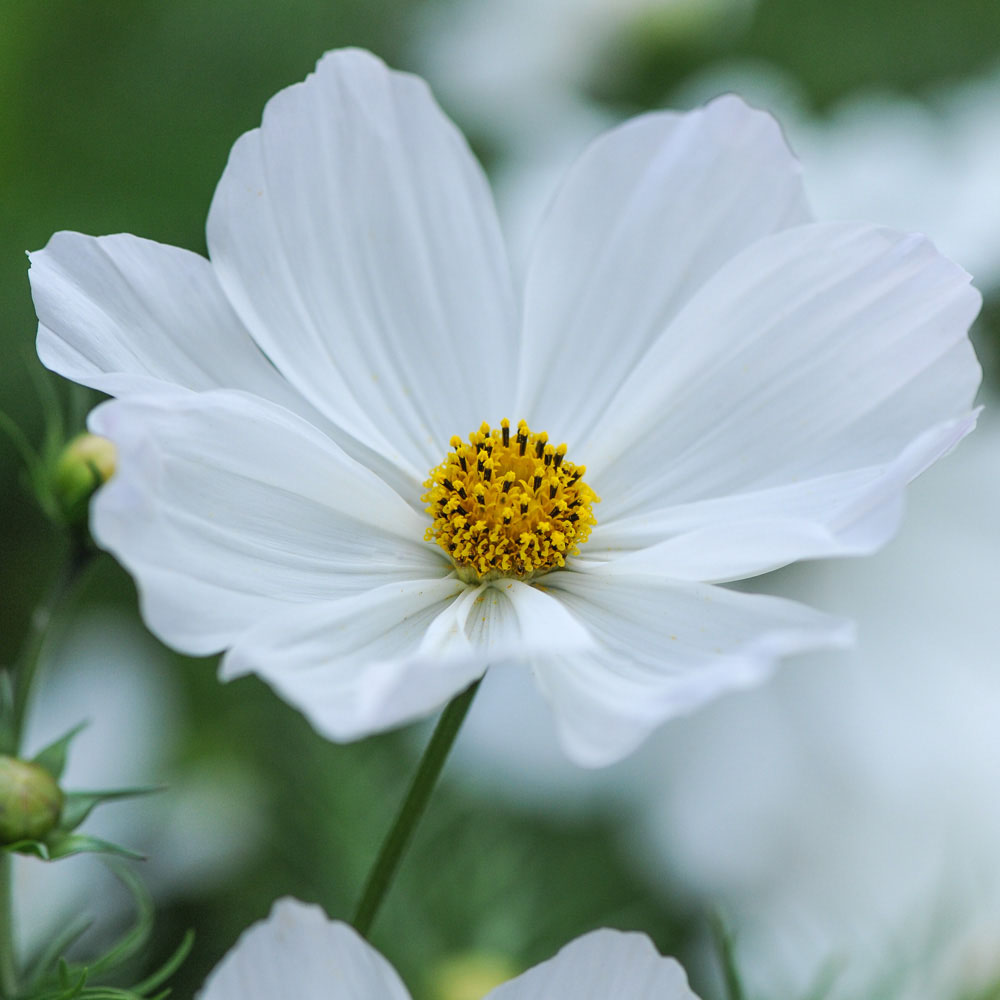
[
  {"x": 26, "y": 665},
  {"x": 384, "y": 869},
  {"x": 25, "y": 669},
  {"x": 8, "y": 960}
]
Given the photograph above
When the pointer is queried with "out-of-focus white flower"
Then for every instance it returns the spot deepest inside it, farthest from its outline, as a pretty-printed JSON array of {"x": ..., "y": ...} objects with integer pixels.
[
  {"x": 747, "y": 388},
  {"x": 927, "y": 165},
  {"x": 516, "y": 69},
  {"x": 299, "y": 952},
  {"x": 515, "y": 73},
  {"x": 468, "y": 975},
  {"x": 844, "y": 816},
  {"x": 847, "y": 813}
]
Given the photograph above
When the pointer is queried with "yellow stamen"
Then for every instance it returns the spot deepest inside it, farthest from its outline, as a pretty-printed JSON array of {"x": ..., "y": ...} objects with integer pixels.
[{"x": 505, "y": 506}]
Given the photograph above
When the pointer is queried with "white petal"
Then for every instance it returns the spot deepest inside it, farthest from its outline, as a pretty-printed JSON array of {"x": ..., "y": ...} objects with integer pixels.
[
  {"x": 665, "y": 649},
  {"x": 650, "y": 211},
  {"x": 363, "y": 664},
  {"x": 125, "y": 315},
  {"x": 367, "y": 663},
  {"x": 732, "y": 538},
  {"x": 509, "y": 619},
  {"x": 356, "y": 235},
  {"x": 601, "y": 965},
  {"x": 227, "y": 508},
  {"x": 821, "y": 351},
  {"x": 299, "y": 952}
]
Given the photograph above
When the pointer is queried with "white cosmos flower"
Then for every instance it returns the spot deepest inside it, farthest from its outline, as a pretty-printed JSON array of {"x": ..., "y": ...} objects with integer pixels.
[
  {"x": 299, "y": 952},
  {"x": 745, "y": 387}
]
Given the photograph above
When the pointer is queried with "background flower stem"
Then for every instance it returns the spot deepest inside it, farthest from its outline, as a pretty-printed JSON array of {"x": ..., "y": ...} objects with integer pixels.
[
  {"x": 384, "y": 869},
  {"x": 77, "y": 559},
  {"x": 8, "y": 959}
]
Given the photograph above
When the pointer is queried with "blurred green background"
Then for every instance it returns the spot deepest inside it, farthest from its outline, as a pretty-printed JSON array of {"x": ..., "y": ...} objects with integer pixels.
[{"x": 118, "y": 116}]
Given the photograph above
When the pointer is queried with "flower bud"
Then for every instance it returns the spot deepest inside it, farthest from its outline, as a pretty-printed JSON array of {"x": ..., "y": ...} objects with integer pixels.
[
  {"x": 470, "y": 975},
  {"x": 86, "y": 463},
  {"x": 30, "y": 800}
]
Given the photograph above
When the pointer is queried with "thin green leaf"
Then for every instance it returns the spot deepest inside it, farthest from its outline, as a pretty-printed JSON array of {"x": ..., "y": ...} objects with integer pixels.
[
  {"x": 52, "y": 408},
  {"x": 727, "y": 958},
  {"x": 38, "y": 966},
  {"x": 71, "y": 979},
  {"x": 138, "y": 935},
  {"x": 169, "y": 967},
  {"x": 32, "y": 460},
  {"x": 69, "y": 988}
]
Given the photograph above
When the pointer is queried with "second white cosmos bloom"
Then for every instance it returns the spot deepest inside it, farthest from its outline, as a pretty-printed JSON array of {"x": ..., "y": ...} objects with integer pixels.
[
  {"x": 340, "y": 437},
  {"x": 299, "y": 952}
]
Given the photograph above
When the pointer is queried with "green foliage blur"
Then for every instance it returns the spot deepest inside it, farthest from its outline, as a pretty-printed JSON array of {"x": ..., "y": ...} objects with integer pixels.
[{"x": 117, "y": 116}]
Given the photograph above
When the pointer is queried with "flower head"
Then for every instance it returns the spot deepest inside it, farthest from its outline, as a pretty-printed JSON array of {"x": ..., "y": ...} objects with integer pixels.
[
  {"x": 299, "y": 952},
  {"x": 739, "y": 387}
]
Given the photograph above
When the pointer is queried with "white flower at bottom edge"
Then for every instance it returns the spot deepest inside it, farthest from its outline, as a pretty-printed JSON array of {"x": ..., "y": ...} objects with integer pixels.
[
  {"x": 746, "y": 388},
  {"x": 299, "y": 952}
]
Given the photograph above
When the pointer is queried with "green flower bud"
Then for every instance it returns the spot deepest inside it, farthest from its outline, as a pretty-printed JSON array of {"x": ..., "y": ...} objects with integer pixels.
[
  {"x": 86, "y": 463},
  {"x": 470, "y": 975},
  {"x": 30, "y": 801}
]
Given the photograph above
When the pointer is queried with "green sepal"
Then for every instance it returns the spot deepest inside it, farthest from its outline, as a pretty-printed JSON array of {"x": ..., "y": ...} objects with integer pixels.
[
  {"x": 64, "y": 845},
  {"x": 35, "y": 848},
  {"x": 53, "y": 757},
  {"x": 62, "y": 842},
  {"x": 77, "y": 806}
]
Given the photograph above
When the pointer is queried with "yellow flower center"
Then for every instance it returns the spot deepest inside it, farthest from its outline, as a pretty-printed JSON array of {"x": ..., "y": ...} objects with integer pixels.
[{"x": 506, "y": 506}]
